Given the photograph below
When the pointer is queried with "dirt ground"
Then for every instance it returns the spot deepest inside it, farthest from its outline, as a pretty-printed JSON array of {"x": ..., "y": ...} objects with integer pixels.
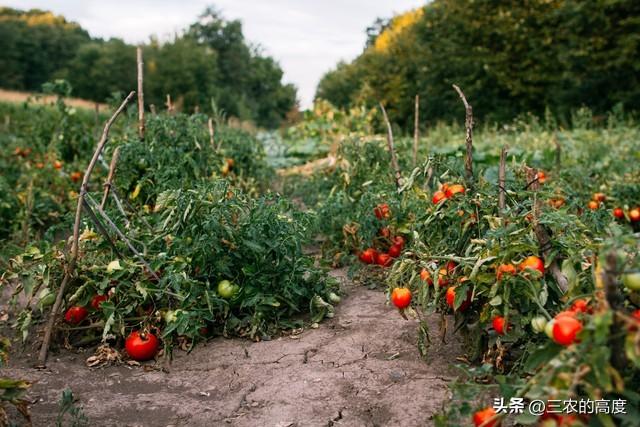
[{"x": 361, "y": 368}]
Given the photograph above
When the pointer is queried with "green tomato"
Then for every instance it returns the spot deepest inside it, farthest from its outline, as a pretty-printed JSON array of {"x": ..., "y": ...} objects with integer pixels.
[
  {"x": 631, "y": 281},
  {"x": 548, "y": 329},
  {"x": 227, "y": 290},
  {"x": 538, "y": 324}
]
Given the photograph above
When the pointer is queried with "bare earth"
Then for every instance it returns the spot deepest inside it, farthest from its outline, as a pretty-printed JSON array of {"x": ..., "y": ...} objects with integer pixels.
[
  {"x": 17, "y": 96},
  {"x": 361, "y": 368}
]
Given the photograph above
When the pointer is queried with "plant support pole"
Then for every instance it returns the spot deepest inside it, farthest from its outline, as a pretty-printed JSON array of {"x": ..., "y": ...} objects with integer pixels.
[
  {"x": 141, "y": 127},
  {"x": 44, "y": 349},
  {"x": 416, "y": 131},
  {"x": 109, "y": 182},
  {"x": 211, "y": 134},
  {"x": 394, "y": 160},
  {"x": 542, "y": 235},
  {"x": 468, "y": 124},
  {"x": 501, "y": 180}
]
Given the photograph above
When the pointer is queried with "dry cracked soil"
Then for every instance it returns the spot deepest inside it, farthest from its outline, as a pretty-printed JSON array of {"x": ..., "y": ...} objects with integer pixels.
[{"x": 361, "y": 368}]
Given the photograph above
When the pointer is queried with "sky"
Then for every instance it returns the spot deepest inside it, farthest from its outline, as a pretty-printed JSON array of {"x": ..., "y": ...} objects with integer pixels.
[{"x": 307, "y": 37}]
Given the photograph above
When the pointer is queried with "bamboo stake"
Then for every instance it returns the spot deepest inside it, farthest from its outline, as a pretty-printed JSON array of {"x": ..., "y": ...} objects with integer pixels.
[
  {"x": 501, "y": 180},
  {"x": 468, "y": 124},
  {"x": 44, "y": 349},
  {"x": 394, "y": 160},
  {"x": 141, "y": 126},
  {"x": 109, "y": 182},
  {"x": 416, "y": 131}
]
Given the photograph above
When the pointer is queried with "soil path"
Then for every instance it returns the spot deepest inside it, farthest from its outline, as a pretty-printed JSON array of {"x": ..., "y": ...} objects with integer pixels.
[{"x": 361, "y": 368}]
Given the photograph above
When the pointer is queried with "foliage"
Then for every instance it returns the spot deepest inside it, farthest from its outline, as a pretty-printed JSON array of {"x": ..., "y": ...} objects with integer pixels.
[
  {"x": 509, "y": 57},
  {"x": 209, "y": 60}
]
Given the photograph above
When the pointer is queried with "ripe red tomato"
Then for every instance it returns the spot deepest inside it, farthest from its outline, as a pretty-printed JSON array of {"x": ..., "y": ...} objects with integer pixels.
[
  {"x": 385, "y": 232},
  {"x": 451, "y": 266},
  {"x": 451, "y": 298},
  {"x": 368, "y": 256},
  {"x": 57, "y": 164},
  {"x": 557, "y": 202},
  {"x": 499, "y": 325},
  {"x": 532, "y": 262},
  {"x": 75, "y": 176},
  {"x": 634, "y": 214},
  {"x": 395, "y": 251},
  {"x": 401, "y": 297},
  {"x": 593, "y": 205},
  {"x": 426, "y": 276},
  {"x": 76, "y": 314},
  {"x": 542, "y": 177},
  {"x": 635, "y": 315},
  {"x": 141, "y": 346},
  {"x": 482, "y": 417},
  {"x": 438, "y": 196},
  {"x": 454, "y": 189},
  {"x": 97, "y": 301},
  {"x": 443, "y": 279},
  {"x": 382, "y": 211},
  {"x": 505, "y": 269},
  {"x": 580, "y": 306},
  {"x": 618, "y": 213},
  {"x": 565, "y": 329},
  {"x": 599, "y": 197},
  {"x": 384, "y": 260},
  {"x": 399, "y": 241}
]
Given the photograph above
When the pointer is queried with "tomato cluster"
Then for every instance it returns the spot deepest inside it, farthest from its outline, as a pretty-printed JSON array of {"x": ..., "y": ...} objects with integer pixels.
[{"x": 391, "y": 246}]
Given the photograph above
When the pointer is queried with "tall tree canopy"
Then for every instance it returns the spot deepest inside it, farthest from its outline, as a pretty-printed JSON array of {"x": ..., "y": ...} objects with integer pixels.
[
  {"x": 509, "y": 56},
  {"x": 210, "y": 60}
]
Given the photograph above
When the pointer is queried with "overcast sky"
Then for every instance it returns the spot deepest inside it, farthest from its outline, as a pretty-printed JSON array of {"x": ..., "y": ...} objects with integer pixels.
[{"x": 307, "y": 37}]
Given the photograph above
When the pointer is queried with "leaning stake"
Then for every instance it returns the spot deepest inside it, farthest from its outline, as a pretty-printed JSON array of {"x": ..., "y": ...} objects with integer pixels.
[
  {"x": 394, "y": 161},
  {"x": 416, "y": 131},
  {"x": 42, "y": 357},
  {"x": 468, "y": 124},
  {"x": 140, "y": 93}
]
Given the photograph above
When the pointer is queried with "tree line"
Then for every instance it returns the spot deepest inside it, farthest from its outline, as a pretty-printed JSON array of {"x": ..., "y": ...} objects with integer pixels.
[
  {"x": 509, "y": 56},
  {"x": 210, "y": 60}
]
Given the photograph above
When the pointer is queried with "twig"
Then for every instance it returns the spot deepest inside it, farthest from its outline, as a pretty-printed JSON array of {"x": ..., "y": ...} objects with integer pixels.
[
  {"x": 211, "y": 139},
  {"x": 544, "y": 239},
  {"x": 120, "y": 234},
  {"x": 468, "y": 124},
  {"x": 109, "y": 182},
  {"x": 394, "y": 160},
  {"x": 501, "y": 180},
  {"x": 44, "y": 349},
  {"x": 140, "y": 93},
  {"x": 100, "y": 227},
  {"x": 416, "y": 131},
  {"x": 169, "y": 104}
]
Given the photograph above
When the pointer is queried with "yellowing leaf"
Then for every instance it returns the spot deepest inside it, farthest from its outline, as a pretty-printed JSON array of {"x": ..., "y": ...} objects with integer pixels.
[
  {"x": 113, "y": 266},
  {"x": 136, "y": 192}
]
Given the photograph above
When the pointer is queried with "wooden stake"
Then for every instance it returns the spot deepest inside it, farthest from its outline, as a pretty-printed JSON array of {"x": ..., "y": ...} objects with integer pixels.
[
  {"x": 169, "y": 104},
  {"x": 544, "y": 239},
  {"x": 210, "y": 125},
  {"x": 416, "y": 131},
  {"x": 468, "y": 124},
  {"x": 109, "y": 182},
  {"x": 140, "y": 93},
  {"x": 394, "y": 161},
  {"x": 501, "y": 180},
  {"x": 44, "y": 349}
]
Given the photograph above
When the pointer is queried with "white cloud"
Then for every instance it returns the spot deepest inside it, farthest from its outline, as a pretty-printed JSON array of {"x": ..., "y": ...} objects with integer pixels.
[{"x": 307, "y": 37}]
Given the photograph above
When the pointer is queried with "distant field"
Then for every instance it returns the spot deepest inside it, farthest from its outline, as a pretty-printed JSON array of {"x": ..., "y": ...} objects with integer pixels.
[{"x": 17, "y": 96}]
